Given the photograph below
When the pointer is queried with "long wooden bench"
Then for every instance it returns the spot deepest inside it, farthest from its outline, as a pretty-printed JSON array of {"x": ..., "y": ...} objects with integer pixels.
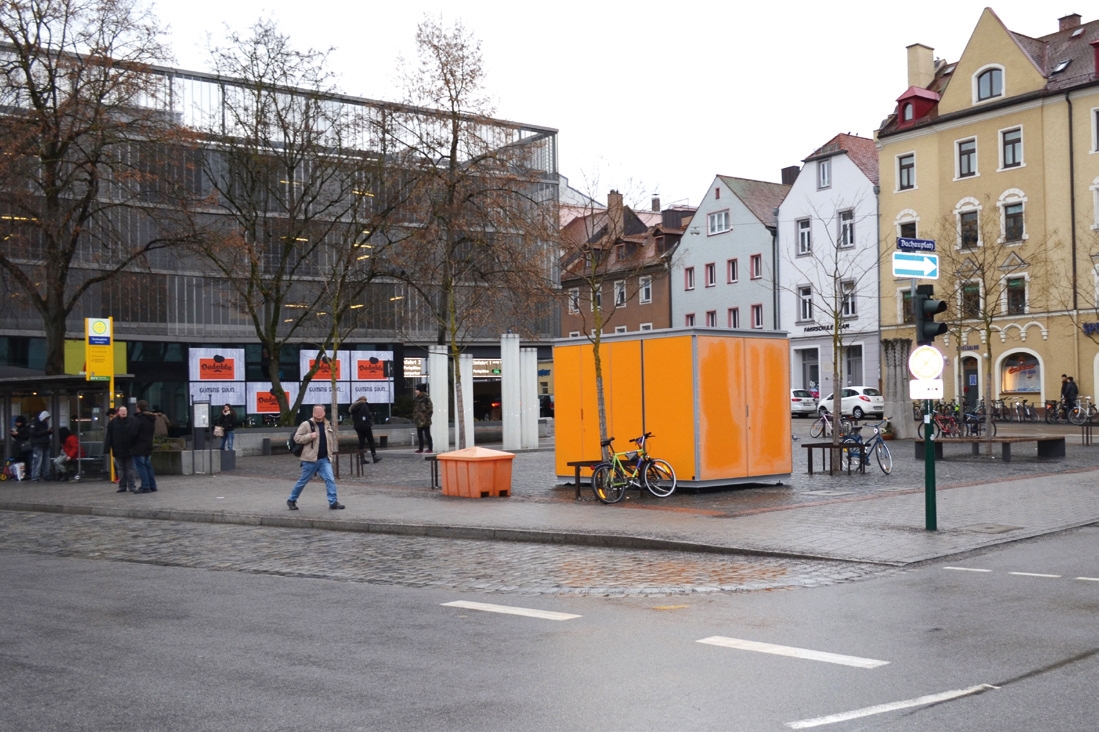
[
  {"x": 1048, "y": 446},
  {"x": 826, "y": 455}
]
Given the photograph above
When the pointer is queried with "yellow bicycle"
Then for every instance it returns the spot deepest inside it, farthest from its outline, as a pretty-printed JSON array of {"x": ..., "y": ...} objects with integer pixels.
[{"x": 632, "y": 469}]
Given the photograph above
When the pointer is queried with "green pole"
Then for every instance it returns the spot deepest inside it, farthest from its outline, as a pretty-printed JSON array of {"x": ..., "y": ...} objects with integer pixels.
[{"x": 929, "y": 470}]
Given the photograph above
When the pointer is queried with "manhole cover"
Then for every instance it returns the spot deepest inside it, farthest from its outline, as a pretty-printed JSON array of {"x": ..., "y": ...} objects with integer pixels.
[{"x": 991, "y": 528}]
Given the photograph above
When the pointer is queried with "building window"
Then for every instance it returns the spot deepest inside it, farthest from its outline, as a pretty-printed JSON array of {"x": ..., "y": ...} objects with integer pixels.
[
  {"x": 574, "y": 334},
  {"x": 971, "y": 300},
  {"x": 847, "y": 228},
  {"x": 621, "y": 329},
  {"x": 847, "y": 299},
  {"x": 990, "y": 84},
  {"x": 619, "y": 293},
  {"x": 757, "y": 316},
  {"x": 824, "y": 173},
  {"x": 734, "y": 317},
  {"x": 907, "y": 112},
  {"x": 689, "y": 320},
  {"x": 1016, "y": 295},
  {"x": 711, "y": 274},
  {"x": 907, "y": 229},
  {"x": 906, "y": 172},
  {"x": 645, "y": 289},
  {"x": 757, "y": 266},
  {"x": 967, "y": 158},
  {"x": 716, "y": 223},
  {"x": 711, "y": 318},
  {"x": 906, "y": 307},
  {"x": 853, "y": 357},
  {"x": 969, "y": 227},
  {"x": 805, "y": 303},
  {"x": 646, "y": 326},
  {"x": 689, "y": 278},
  {"x": 805, "y": 237},
  {"x": 1095, "y": 129},
  {"x": 1013, "y": 222},
  {"x": 733, "y": 270},
  {"x": 574, "y": 300},
  {"x": 1011, "y": 148}
]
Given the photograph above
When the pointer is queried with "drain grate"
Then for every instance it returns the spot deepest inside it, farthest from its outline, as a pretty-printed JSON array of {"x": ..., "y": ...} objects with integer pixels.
[{"x": 991, "y": 528}]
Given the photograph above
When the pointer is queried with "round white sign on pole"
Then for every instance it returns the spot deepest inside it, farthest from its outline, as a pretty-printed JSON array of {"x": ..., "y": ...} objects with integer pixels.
[{"x": 926, "y": 363}]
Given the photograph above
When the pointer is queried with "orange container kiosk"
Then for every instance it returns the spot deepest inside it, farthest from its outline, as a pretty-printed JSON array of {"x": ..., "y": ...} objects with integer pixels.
[{"x": 716, "y": 402}]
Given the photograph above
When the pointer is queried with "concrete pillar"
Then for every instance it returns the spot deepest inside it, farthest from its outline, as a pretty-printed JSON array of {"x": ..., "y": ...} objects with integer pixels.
[
  {"x": 898, "y": 405},
  {"x": 465, "y": 368},
  {"x": 510, "y": 391},
  {"x": 528, "y": 378},
  {"x": 438, "y": 383}
]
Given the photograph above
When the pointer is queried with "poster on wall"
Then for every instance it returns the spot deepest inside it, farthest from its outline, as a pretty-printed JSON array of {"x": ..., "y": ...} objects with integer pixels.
[
  {"x": 324, "y": 373},
  {"x": 320, "y": 392},
  {"x": 376, "y": 392},
  {"x": 262, "y": 401},
  {"x": 371, "y": 365},
  {"x": 1021, "y": 373},
  {"x": 218, "y": 392},
  {"x": 216, "y": 364}
]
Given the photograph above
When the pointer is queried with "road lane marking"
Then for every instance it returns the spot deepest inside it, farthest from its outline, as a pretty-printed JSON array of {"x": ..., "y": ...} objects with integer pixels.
[
  {"x": 883, "y": 708},
  {"x": 1088, "y": 579},
  {"x": 1032, "y": 574},
  {"x": 508, "y": 610},
  {"x": 967, "y": 569},
  {"x": 747, "y": 645}
]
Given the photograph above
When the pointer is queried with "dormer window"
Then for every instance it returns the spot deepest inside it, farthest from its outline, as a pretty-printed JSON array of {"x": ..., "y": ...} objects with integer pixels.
[
  {"x": 907, "y": 113},
  {"x": 990, "y": 84}
]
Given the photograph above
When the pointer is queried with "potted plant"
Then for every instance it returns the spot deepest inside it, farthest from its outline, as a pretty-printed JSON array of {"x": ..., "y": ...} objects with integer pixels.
[{"x": 887, "y": 431}]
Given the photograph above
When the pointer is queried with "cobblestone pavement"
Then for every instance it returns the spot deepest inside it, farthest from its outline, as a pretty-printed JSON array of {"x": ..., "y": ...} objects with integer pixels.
[{"x": 463, "y": 565}]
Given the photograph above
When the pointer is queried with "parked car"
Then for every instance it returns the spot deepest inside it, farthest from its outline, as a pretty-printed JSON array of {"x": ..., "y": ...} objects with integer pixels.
[
  {"x": 857, "y": 401},
  {"x": 802, "y": 403}
]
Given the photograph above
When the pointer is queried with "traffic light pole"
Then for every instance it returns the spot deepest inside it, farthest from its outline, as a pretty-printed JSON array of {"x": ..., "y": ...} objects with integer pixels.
[{"x": 931, "y": 519}]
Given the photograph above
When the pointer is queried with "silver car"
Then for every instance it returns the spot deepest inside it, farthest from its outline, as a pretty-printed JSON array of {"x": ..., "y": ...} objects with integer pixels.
[
  {"x": 802, "y": 403},
  {"x": 857, "y": 401}
]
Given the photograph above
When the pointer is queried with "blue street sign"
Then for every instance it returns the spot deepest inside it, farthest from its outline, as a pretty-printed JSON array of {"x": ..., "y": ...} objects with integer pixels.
[
  {"x": 906, "y": 244},
  {"x": 920, "y": 266}
]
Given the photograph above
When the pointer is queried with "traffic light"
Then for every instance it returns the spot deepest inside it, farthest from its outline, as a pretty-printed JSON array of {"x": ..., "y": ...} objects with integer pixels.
[{"x": 924, "y": 310}]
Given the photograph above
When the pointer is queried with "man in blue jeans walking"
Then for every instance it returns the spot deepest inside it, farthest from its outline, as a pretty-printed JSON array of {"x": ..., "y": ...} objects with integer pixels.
[{"x": 319, "y": 442}]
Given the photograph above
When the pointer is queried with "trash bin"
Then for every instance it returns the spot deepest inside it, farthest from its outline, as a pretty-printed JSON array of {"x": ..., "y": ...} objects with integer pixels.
[{"x": 476, "y": 472}]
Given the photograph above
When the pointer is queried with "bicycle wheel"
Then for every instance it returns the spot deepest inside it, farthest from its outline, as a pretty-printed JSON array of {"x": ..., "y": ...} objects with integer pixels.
[
  {"x": 4, "y": 474},
  {"x": 848, "y": 456},
  {"x": 936, "y": 430},
  {"x": 660, "y": 478},
  {"x": 885, "y": 458},
  {"x": 1077, "y": 416},
  {"x": 845, "y": 426},
  {"x": 608, "y": 484},
  {"x": 817, "y": 429}
]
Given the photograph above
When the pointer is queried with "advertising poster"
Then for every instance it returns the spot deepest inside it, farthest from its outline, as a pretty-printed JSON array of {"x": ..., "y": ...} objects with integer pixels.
[
  {"x": 320, "y": 392},
  {"x": 262, "y": 401},
  {"x": 1021, "y": 373},
  {"x": 216, "y": 364},
  {"x": 371, "y": 365},
  {"x": 218, "y": 392},
  {"x": 376, "y": 392},
  {"x": 324, "y": 373}
]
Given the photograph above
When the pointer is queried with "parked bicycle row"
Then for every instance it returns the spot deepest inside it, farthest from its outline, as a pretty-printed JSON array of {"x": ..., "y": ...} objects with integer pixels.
[{"x": 1082, "y": 411}]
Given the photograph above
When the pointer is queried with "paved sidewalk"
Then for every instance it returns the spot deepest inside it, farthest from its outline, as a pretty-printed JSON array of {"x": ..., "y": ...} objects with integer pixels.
[{"x": 864, "y": 518}]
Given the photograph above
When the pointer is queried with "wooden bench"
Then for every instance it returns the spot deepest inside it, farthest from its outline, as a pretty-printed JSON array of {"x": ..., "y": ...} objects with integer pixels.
[
  {"x": 580, "y": 464},
  {"x": 1048, "y": 446},
  {"x": 826, "y": 455},
  {"x": 434, "y": 460}
]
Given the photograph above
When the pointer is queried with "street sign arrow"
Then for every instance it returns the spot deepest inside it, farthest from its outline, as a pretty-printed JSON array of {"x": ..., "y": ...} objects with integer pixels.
[{"x": 920, "y": 266}]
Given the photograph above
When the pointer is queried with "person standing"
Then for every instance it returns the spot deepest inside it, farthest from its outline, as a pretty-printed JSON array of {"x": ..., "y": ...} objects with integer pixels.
[
  {"x": 118, "y": 440},
  {"x": 141, "y": 446},
  {"x": 21, "y": 437},
  {"x": 162, "y": 422},
  {"x": 364, "y": 428},
  {"x": 41, "y": 437},
  {"x": 1070, "y": 393},
  {"x": 422, "y": 409},
  {"x": 227, "y": 421},
  {"x": 319, "y": 443}
]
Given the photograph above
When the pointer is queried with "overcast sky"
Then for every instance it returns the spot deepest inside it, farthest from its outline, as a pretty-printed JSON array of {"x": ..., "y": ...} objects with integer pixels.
[{"x": 648, "y": 98}]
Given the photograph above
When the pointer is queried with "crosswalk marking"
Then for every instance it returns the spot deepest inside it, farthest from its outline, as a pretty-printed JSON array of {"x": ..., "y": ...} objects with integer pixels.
[
  {"x": 508, "y": 610},
  {"x": 883, "y": 708},
  {"x": 747, "y": 645}
]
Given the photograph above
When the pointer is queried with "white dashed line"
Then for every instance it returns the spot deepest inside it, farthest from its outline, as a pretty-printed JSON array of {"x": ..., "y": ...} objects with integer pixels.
[
  {"x": 508, "y": 610},
  {"x": 967, "y": 569},
  {"x": 883, "y": 708},
  {"x": 1088, "y": 579},
  {"x": 1032, "y": 574},
  {"x": 747, "y": 645}
]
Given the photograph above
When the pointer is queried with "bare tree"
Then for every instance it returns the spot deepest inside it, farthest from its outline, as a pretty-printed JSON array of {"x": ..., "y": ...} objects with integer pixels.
[
  {"x": 302, "y": 196},
  {"x": 82, "y": 125},
  {"x": 478, "y": 252}
]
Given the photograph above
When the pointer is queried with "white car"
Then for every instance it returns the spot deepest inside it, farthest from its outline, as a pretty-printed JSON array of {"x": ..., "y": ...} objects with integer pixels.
[
  {"x": 802, "y": 403},
  {"x": 857, "y": 401}
]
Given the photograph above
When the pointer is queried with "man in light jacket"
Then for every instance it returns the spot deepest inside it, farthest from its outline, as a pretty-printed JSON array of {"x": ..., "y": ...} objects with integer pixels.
[{"x": 319, "y": 440}]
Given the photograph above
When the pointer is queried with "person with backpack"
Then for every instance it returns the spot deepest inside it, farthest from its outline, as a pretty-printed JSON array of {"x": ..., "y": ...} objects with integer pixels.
[
  {"x": 318, "y": 443},
  {"x": 364, "y": 428}
]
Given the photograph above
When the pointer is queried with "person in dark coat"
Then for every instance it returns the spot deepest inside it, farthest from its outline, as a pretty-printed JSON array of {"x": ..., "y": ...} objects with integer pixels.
[
  {"x": 227, "y": 421},
  {"x": 118, "y": 440},
  {"x": 364, "y": 427},
  {"x": 422, "y": 409},
  {"x": 21, "y": 437},
  {"x": 141, "y": 448},
  {"x": 41, "y": 437}
]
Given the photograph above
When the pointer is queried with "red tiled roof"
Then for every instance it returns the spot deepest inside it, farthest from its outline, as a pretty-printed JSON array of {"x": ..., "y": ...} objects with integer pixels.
[
  {"x": 862, "y": 151},
  {"x": 761, "y": 197}
]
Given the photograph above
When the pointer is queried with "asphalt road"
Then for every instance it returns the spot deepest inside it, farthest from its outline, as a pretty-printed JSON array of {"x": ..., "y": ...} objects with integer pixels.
[{"x": 119, "y": 640}]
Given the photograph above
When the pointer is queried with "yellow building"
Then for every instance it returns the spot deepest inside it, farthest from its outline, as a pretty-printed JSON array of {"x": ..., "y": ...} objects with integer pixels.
[{"x": 995, "y": 157}]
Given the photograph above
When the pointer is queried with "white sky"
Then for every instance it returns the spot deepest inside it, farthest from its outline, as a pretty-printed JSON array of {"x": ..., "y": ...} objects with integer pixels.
[{"x": 647, "y": 98}]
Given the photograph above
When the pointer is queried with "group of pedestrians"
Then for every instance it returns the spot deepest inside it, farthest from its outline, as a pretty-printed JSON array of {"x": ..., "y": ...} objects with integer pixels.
[
  {"x": 33, "y": 442},
  {"x": 129, "y": 439},
  {"x": 1070, "y": 392}
]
